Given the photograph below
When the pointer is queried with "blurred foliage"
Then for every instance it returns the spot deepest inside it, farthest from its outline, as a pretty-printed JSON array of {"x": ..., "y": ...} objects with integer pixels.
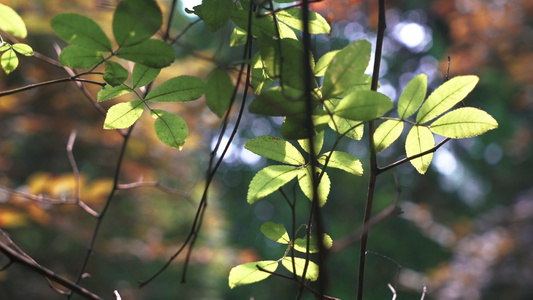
[{"x": 465, "y": 231}]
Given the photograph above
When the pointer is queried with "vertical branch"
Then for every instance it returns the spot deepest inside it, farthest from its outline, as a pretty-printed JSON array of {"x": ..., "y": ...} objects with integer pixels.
[{"x": 374, "y": 170}]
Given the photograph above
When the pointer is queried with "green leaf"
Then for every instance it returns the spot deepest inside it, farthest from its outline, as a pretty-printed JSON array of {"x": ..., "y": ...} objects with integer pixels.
[
  {"x": 115, "y": 74},
  {"x": 218, "y": 91},
  {"x": 412, "y": 96},
  {"x": 110, "y": 92},
  {"x": 249, "y": 273},
  {"x": 178, "y": 89},
  {"x": 388, "y": 132},
  {"x": 420, "y": 139},
  {"x": 445, "y": 97},
  {"x": 318, "y": 141},
  {"x": 293, "y": 18},
  {"x": 275, "y": 232},
  {"x": 152, "y": 53},
  {"x": 301, "y": 244},
  {"x": 23, "y": 49},
  {"x": 299, "y": 264},
  {"x": 363, "y": 106},
  {"x": 238, "y": 37},
  {"x": 135, "y": 21},
  {"x": 275, "y": 102},
  {"x": 343, "y": 161},
  {"x": 80, "y": 31},
  {"x": 143, "y": 75},
  {"x": 5, "y": 47},
  {"x": 9, "y": 61},
  {"x": 293, "y": 128},
  {"x": 350, "y": 128},
  {"x": 346, "y": 69},
  {"x": 171, "y": 129},
  {"x": 215, "y": 13},
  {"x": 306, "y": 184},
  {"x": 323, "y": 63},
  {"x": 12, "y": 23},
  {"x": 79, "y": 58},
  {"x": 123, "y": 115},
  {"x": 464, "y": 122},
  {"x": 262, "y": 25},
  {"x": 275, "y": 149},
  {"x": 260, "y": 79},
  {"x": 269, "y": 180}
]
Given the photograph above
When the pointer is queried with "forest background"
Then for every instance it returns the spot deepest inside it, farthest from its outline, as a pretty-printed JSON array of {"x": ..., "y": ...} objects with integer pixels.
[{"x": 465, "y": 231}]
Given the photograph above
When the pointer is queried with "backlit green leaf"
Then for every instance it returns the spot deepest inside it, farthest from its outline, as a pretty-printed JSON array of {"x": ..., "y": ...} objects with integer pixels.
[
  {"x": 293, "y": 18},
  {"x": 215, "y": 13},
  {"x": 420, "y": 139},
  {"x": 11, "y": 22},
  {"x": 249, "y": 272},
  {"x": 318, "y": 141},
  {"x": 9, "y": 61},
  {"x": 275, "y": 103},
  {"x": 445, "y": 97},
  {"x": 135, "y": 21},
  {"x": 80, "y": 31},
  {"x": 79, "y": 58},
  {"x": 301, "y": 244},
  {"x": 110, "y": 92},
  {"x": 412, "y": 96},
  {"x": 115, "y": 74},
  {"x": 363, "y": 106},
  {"x": 152, "y": 53},
  {"x": 350, "y": 128},
  {"x": 323, "y": 63},
  {"x": 275, "y": 149},
  {"x": 464, "y": 123},
  {"x": 143, "y": 75},
  {"x": 388, "y": 132},
  {"x": 260, "y": 79},
  {"x": 218, "y": 91},
  {"x": 305, "y": 180},
  {"x": 123, "y": 115},
  {"x": 238, "y": 37},
  {"x": 23, "y": 49},
  {"x": 171, "y": 129},
  {"x": 299, "y": 264},
  {"x": 343, "y": 161},
  {"x": 275, "y": 232},
  {"x": 346, "y": 69},
  {"x": 262, "y": 25},
  {"x": 269, "y": 180},
  {"x": 178, "y": 89}
]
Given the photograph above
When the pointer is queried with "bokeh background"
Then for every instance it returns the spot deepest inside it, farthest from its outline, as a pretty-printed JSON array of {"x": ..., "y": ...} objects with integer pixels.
[{"x": 466, "y": 231}]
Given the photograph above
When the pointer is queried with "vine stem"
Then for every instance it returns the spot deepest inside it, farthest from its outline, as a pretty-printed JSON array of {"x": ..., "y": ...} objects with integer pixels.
[{"x": 374, "y": 170}]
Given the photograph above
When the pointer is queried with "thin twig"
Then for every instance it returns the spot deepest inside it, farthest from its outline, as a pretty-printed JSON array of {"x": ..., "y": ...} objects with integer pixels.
[{"x": 36, "y": 85}]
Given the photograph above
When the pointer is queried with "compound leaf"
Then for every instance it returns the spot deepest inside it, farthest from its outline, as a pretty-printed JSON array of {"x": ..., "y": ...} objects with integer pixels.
[
  {"x": 171, "y": 129},
  {"x": 80, "y": 31},
  {"x": 412, "y": 96},
  {"x": 178, "y": 89},
  {"x": 79, "y": 58},
  {"x": 275, "y": 149},
  {"x": 420, "y": 139},
  {"x": 464, "y": 122},
  {"x": 275, "y": 232},
  {"x": 268, "y": 180},
  {"x": 445, "y": 97},
  {"x": 123, "y": 115},
  {"x": 343, "y": 161},
  {"x": 249, "y": 272},
  {"x": 152, "y": 53},
  {"x": 135, "y": 21},
  {"x": 299, "y": 265},
  {"x": 388, "y": 132}
]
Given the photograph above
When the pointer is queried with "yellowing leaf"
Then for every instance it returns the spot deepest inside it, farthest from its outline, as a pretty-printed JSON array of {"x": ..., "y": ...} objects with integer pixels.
[
  {"x": 9, "y": 61},
  {"x": 123, "y": 115},
  {"x": 420, "y": 139},
  {"x": 299, "y": 265},
  {"x": 305, "y": 180},
  {"x": 11, "y": 22},
  {"x": 464, "y": 122},
  {"x": 388, "y": 132},
  {"x": 412, "y": 96},
  {"x": 275, "y": 232},
  {"x": 301, "y": 244},
  {"x": 269, "y": 180},
  {"x": 250, "y": 273}
]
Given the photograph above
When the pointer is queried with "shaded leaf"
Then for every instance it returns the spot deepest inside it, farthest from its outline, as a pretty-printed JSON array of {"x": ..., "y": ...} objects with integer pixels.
[
  {"x": 262, "y": 25},
  {"x": 305, "y": 180},
  {"x": 135, "y": 21},
  {"x": 275, "y": 232},
  {"x": 171, "y": 129},
  {"x": 464, "y": 122},
  {"x": 363, "y": 106},
  {"x": 299, "y": 265},
  {"x": 323, "y": 63},
  {"x": 11, "y": 22},
  {"x": 110, "y": 92},
  {"x": 23, "y": 49},
  {"x": 238, "y": 37},
  {"x": 218, "y": 91},
  {"x": 115, "y": 74},
  {"x": 260, "y": 79},
  {"x": 275, "y": 149},
  {"x": 123, "y": 115},
  {"x": 79, "y": 58},
  {"x": 215, "y": 13},
  {"x": 178, "y": 89},
  {"x": 250, "y": 273},
  {"x": 445, "y": 97},
  {"x": 388, "y": 132},
  {"x": 152, "y": 53},
  {"x": 80, "y": 31},
  {"x": 420, "y": 139},
  {"x": 346, "y": 69},
  {"x": 350, "y": 128},
  {"x": 301, "y": 244},
  {"x": 293, "y": 128},
  {"x": 9, "y": 61},
  {"x": 293, "y": 18},
  {"x": 143, "y": 75},
  {"x": 343, "y": 161},
  {"x": 412, "y": 96},
  {"x": 269, "y": 180},
  {"x": 275, "y": 102}
]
